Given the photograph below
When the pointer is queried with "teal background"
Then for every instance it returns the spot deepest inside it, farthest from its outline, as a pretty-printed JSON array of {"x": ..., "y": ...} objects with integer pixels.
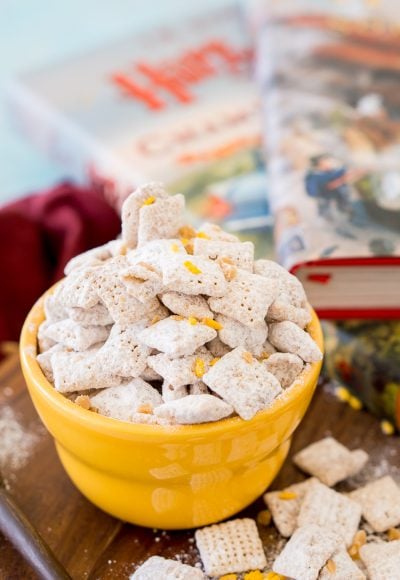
[{"x": 35, "y": 33}]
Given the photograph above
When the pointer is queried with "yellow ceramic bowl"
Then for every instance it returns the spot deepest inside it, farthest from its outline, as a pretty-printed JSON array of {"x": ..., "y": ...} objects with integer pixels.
[{"x": 167, "y": 477}]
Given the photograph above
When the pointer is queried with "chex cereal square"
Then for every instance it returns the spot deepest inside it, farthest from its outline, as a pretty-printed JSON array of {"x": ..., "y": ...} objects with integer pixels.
[
  {"x": 158, "y": 568},
  {"x": 330, "y": 461},
  {"x": 233, "y": 546},
  {"x": 380, "y": 503},
  {"x": 307, "y": 552},
  {"x": 285, "y": 504},
  {"x": 327, "y": 508},
  {"x": 243, "y": 382}
]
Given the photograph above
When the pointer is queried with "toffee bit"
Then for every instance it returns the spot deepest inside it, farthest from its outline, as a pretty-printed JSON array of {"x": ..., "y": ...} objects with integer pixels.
[
  {"x": 174, "y": 247},
  {"x": 393, "y": 534},
  {"x": 199, "y": 367},
  {"x": 286, "y": 495},
  {"x": 248, "y": 357},
  {"x": 147, "y": 409},
  {"x": 149, "y": 201},
  {"x": 359, "y": 540},
  {"x": 192, "y": 267},
  {"x": 228, "y": 577},
  {"x": 192, "y": 320},
  {"x": 187, "y": 232},
  {"x": 83, "y": 401},
  {"x": 212, "y": 323},
  {"x": 177, "y": 317},
  {"x": 214, "y": 361},
  {"x": 387, "y": 427},
  {"x": 203, "y": 236},
  {"x": 264, "y": 518},
  {"x": 355, "y": 403},
  {"x": 155, "y": 319},
  {"x": 342, "y": 394},
  {"x": 331, "y": 566},
  {"x": 264, "y": 355}
]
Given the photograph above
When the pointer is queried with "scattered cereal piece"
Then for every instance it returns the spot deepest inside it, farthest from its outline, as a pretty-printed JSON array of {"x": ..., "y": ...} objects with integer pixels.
[
  {"x": 284, "y": 512},
  {"x": 330, "y": 461},
  {"x": 77, "y": 289},
  {"x": 246, "y": 299},
  {"x": 286, "y": 367},
  {"x": 233, "y": 546},
  {"x": 264, "y": 517},
  {"x": 380, "y": 503},
  {"x": 194, "y": 409},
  {"x": 382, "y": 561},
  {"x": 176, "y": 337},
  {"x": 183, "y": 303},
  {"x": 44, "y": 360},
  {"x": 387, "y": 427},
  {"x": 288, "y": 337},
  {"x": 121, "y": 402},
  {"x": 91, "y": 257},
  {"x": 325, "y": 507},
  {"x": 83, "y": 401},
  {"x": 341, "y": 567},
  {"x": 54, "y": 310},
  {"x": 306, "y": 552},
  {"x": 157, "y": 567},
  {"x": 247, "y": 387}
]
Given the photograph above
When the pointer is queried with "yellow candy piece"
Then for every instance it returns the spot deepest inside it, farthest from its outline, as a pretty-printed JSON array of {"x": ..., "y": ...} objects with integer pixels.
[
  {"x": 150, "y": 200},
  {"x": 191, "y": 267},
  {"x": 355, "y": 403},
  {"x": 214, "y": 361},
  {"x": 228, "y": 577},
  {"x": 343, "y": 394},
  {"x": 192, "y": 320},
  {"x": 287, "y": 495},
  {"x": 212, "y": 323},
  {"x": 203, "y": 236},
  {"x": 199, "y": 368},
  {"x": 254, "y": 575},
  {"x": 175, "y": 247},
  {"x": 387, "y": 427}
]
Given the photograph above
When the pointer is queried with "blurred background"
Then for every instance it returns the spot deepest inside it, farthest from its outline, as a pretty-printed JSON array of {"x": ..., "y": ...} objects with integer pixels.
[{"x": 36, "y": 34}]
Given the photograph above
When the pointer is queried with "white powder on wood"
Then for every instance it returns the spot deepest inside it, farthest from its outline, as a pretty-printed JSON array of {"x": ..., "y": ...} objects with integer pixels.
[{"x": 16, "y": 443}]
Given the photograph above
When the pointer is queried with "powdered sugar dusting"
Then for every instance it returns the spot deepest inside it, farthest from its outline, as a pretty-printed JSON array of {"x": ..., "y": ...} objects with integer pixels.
[{"x": 16, "y": 443}]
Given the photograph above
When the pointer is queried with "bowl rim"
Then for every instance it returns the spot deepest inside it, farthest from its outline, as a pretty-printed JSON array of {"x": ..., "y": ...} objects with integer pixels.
[{"x": 108, "y": 425}]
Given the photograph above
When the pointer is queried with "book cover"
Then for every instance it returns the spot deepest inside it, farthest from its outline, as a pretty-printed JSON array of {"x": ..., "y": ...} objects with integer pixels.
[
  {"x": 329, "y": 73},
  {"x": 174, "y": 104}
]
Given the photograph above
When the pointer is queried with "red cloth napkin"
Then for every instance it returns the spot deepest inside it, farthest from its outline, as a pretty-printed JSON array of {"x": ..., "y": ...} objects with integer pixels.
[{"x": 38, "y": 235}]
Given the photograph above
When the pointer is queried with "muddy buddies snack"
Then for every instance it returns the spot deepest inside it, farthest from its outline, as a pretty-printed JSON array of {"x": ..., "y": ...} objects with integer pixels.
[{"x": 173, "y": 326}]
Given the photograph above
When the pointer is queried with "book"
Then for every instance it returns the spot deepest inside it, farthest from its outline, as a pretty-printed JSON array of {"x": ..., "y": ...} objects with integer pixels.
[
  {"x": 174, "y": 104},
  {"x": 329, "y": 73}
]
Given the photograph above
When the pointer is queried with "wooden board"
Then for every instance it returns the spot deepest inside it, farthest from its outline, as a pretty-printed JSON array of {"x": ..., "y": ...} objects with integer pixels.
[{"x": 93, "y": 545}]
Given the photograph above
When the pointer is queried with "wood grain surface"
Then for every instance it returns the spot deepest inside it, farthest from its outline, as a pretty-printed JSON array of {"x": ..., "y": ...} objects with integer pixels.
[{"x": 93, "y": 545}]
